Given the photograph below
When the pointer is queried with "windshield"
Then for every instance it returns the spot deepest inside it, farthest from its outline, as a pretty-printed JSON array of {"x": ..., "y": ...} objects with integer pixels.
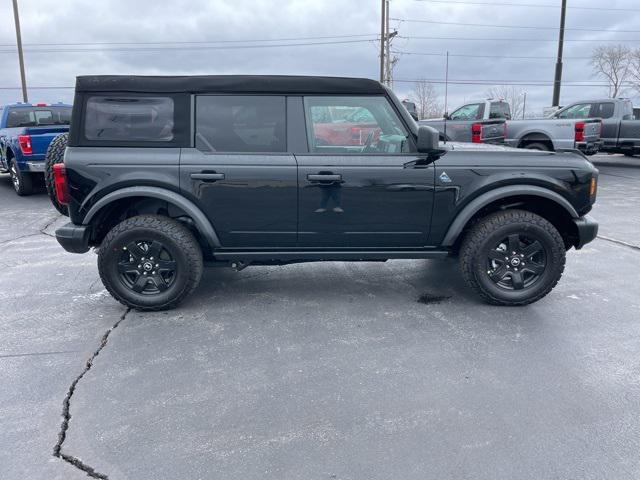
[{"x": 38, "y": 116}]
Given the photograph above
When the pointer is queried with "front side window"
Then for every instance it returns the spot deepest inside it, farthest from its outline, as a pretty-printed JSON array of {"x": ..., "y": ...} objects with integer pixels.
[
  {"x": 38, "y": 116},
  {"x": 129, "y": 119},
  {"x": 241, "y": 123},
  {"x": 472, "y": 111},
  {"x": 354, "y": 125},
  {"x": 580, "y": 110}
]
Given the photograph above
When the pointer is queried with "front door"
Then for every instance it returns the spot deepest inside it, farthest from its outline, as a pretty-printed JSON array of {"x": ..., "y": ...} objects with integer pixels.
[
  {"x": 240, "y": 173},
  {"x": 360, "y": 185}
]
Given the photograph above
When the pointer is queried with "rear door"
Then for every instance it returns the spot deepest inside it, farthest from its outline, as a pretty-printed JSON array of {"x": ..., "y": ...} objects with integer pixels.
[
  {"x": 610, "y": 124},
  {"x": 239, "y": 171},
  {"x": 368, "y": 189}
]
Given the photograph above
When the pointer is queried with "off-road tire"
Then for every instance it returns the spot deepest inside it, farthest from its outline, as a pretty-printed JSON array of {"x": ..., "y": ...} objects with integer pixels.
[
  {"x": 481, "y": 238},
  {"x": 54, "y": 155},
  {"x": 538, "y": 146},
  {"x": 180, "y": 243},
  {"x": 22, "y": 182}
]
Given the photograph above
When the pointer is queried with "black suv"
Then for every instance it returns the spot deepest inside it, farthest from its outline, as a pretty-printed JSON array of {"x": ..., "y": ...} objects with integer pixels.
[{"x": 167, "y": 174}]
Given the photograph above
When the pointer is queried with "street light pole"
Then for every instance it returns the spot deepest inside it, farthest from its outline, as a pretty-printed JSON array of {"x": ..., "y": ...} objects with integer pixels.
[
  {"x": 558, "y": 78},
  {"x": 16, "y": 17}
]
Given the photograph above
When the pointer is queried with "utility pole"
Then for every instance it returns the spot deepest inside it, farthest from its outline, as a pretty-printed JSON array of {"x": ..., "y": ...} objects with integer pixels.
[
  {"x": 524, "y": 105},
  {"x": 383, "y": 17},
  {"x": 16, "y": 17},
  {"x": 558, "y": 78},
  {"x": 387, "y": 57}
]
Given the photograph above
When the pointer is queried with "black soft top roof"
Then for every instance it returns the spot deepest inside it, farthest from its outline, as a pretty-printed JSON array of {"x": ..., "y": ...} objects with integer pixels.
[{"x": 228, "y": 84}]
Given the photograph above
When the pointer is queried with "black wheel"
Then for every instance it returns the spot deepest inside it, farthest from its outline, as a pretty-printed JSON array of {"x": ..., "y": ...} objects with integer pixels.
[
  {"x": 512, "y": 257},
  {"x": 629, "y": 154},
  {"x": 150, "y": 262},
  {"x": 55, "y": 154},
  {"x": 21, "y": 181},
  {"x": 538, "y": 146}
]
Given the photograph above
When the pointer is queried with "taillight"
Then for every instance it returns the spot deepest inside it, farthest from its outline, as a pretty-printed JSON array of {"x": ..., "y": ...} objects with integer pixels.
[
  {"x": 25, "y": 144},
  {"x": 580, "y": 131},
  {"x": 476, "y": 133},
  {"x": 60, "y": 183}
]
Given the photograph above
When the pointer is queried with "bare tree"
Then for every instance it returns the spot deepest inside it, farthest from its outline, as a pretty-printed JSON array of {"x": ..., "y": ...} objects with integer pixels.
[
  {"x": 613, "y": 63},
  {"x": 426, "y": 98},
  {"x": 510, "y": 93},
  {"x": 634, "y": 70}
]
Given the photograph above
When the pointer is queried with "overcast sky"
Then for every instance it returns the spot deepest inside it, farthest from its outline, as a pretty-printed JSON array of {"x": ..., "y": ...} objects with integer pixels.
[{"x": 103, "y": 25}]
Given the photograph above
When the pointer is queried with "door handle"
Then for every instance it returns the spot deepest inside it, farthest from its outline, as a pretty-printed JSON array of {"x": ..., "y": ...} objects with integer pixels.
[
  {"x": 324, "y": 177},
  {"x": 208, "y": 177}
]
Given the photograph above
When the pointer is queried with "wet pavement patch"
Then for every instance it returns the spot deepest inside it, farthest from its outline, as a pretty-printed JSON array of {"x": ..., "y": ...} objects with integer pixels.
[{"x": 428, "y": 298}]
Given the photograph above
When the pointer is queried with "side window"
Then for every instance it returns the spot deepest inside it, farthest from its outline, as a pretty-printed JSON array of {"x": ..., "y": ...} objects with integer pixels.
[
  {"x": 129, "y": 119},
  {"x": 580, "y": 110},
  {"x": 500, "y": 110},
  {"x": 472, "y": 111},
  {"x": 241, "y": 123},
  {"x": 348, "y": 124},
  {"x": 603, "y": 110}
]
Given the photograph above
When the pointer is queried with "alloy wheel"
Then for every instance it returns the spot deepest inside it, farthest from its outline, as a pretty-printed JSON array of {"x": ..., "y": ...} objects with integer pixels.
[
  {"x": 516, "y": 262},
  {"x": 147, "y": 267}
]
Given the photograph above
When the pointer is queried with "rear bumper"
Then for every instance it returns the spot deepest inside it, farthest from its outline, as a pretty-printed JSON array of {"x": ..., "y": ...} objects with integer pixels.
[
  {"x": 587, "y": 230},
  {"x": 590, "y": 147},
  {"x": 35, "y": 167},
  {"x": 74, "y": 238}
]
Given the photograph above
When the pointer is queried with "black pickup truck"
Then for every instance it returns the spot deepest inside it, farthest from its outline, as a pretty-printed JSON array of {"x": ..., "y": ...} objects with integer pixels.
[
  {"x": 167, "y": 174},
  {"x": 620, "y": 130}
]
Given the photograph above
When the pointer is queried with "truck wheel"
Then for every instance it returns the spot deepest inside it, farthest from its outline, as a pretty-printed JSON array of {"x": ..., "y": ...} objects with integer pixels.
[
  {"x": 55, "y": 154},
  {"x": 513, "y": 257},
  {"x": 21, "y": 181},
  {"x": 150, "y": 262},
  {"x": 537, "y": 146}
]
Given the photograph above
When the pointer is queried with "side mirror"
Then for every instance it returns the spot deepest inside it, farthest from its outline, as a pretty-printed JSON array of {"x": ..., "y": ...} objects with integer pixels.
[{"x": 428, "y": 139}]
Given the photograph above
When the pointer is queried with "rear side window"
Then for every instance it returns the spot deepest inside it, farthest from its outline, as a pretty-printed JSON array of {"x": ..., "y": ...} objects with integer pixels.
[
  {"x": 129, "y": 119},
  {"x": 241, "y": 123},
  {"x": 38, "y": 116},
  {"x": 500, "y": 110},
  {"x": 603, "y": 110}
]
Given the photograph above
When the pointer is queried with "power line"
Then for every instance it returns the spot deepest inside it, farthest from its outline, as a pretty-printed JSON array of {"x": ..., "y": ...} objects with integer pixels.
[
  {"x": 195, "y": 47},
  {"x": 577, "y": 29},
  {"x": 197, "y": 42},
  {"x": 531, "y": 5},
  {"x": 541, "y": 83},
  {"x": 475, "y": 39},
  {"x": 427, "y": 54}
]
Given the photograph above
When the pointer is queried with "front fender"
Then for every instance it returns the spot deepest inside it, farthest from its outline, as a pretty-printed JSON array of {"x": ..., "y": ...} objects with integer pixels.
[
  {"x": 200, "y": 219},
  {"x": 486, "y": 198}
]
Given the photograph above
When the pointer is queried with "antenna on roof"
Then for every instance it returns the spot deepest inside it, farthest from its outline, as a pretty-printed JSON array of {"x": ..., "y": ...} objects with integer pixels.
[{"x": 446, "y": 96}]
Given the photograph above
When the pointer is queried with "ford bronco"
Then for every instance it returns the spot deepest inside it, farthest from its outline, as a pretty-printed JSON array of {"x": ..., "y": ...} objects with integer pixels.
[{"x": 165, "y": 175}]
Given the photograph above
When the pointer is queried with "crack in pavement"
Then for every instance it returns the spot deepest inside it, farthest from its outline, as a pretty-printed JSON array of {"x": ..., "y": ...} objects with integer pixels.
[
  {"x": 66, "y": 408},
  {"x": 619, "y": 242},
  {"x": 41, "y": 231}
]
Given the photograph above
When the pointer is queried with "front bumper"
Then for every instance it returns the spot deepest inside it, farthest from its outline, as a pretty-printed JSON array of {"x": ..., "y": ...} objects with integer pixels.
[
  {"x": 74, "y": 238},
  {"x": 587, "y": 230}
]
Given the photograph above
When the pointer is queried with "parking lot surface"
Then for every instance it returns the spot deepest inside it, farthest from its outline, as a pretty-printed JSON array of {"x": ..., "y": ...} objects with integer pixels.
[{"x": 322, "y": 370}]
